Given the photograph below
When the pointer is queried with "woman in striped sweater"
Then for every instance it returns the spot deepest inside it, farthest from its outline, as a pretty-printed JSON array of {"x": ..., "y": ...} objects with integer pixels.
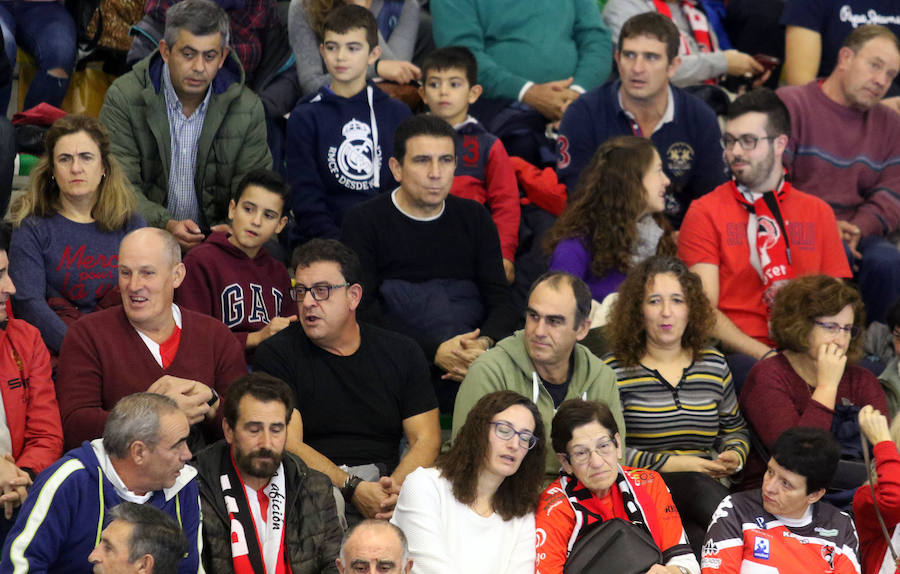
[{"x": 680, "y": 409}]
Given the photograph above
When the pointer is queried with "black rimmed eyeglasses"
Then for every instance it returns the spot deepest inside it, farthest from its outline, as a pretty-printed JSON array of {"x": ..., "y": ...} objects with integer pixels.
[{"x": 319, "y": 292}]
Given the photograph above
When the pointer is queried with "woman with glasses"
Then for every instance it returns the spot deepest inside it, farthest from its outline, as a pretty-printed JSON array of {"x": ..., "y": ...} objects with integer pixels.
[
  {"x": 616, "y": 219},
  {"x": 678, "y": 401},
  {"x": 474, "y": 511},
  {"x": 811, "y": 382},
  {"x": 594, "y": 488}
]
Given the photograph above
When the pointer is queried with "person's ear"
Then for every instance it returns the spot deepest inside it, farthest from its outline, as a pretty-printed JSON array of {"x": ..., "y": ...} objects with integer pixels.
[
  {"x": 814, "y": 497},
  {"x": 564, "y": 462},
  {"x": 396, "y": 169},
  {"x": 583, "y": 329},
  {"x": 231, "y": 207},
  {"x": 144, "y": 564},
  {"x": 355, "y": 291},
  {"x": 673, "y": 66},
  {"x": 281, "y": 224},
  {"x": 475, "y": 93},
  {"x": 178, "y": 274},
  {"x": 164, "y": 50}
]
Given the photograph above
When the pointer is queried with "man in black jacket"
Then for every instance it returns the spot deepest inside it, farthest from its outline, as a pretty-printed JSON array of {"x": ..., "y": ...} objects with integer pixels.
[{"x": 263, "y": 508}]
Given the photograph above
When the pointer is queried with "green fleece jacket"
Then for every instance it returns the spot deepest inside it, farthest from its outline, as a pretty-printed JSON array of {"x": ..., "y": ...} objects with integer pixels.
[
  {"x": 232, "y": 141},
  {"x": 508, "y": 367}
]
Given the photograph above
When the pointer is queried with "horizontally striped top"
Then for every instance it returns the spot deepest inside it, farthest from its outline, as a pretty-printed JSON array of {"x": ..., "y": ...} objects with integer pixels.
[{"x": 697, "y": 416}]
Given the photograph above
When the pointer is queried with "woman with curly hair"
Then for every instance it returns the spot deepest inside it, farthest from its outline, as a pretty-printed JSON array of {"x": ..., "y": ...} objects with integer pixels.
[
  {"x": 616, "y": 219},
  {"x": 680, "y": 409},
  {"x": 474, "y": 512},
  {"x": 816, "y": 322},
  {"x": 67, "y": 228}
]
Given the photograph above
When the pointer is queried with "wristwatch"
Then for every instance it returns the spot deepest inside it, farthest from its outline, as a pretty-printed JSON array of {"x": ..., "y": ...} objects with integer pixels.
[{"x": 350, "y": 487}]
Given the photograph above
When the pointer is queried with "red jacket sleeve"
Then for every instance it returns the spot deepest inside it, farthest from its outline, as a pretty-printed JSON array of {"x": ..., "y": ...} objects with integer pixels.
[
  {"x": 554, "y": 522},
  {"x": 887, "y": 493},
  {"x": 503, "y": 199},
  {"x": 43, "y": 438}
]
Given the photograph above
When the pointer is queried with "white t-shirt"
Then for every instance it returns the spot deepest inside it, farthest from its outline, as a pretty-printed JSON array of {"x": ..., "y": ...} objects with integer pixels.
[{"x": 447, "y": 537}]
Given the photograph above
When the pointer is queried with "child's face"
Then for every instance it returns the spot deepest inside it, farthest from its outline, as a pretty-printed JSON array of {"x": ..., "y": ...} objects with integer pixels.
[
  {"x": 255, "y": 218},
  {"x": 347, "y": 55},
  {"x": 448, "y": 94}
]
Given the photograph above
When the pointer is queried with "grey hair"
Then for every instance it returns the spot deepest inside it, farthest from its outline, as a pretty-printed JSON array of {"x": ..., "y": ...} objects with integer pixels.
[
  {"x": 170, "y": 247},
  {"x": 372, "y": 523},
  {"x": 155, "y": 533},
  {"x": 199, "y": 17},
  {"x": 135, "y": 417}
]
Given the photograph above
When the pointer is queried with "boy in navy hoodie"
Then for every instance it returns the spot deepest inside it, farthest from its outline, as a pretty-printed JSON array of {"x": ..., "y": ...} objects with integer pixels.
[
  {"x": 483, "y": 171},
  {"x": 340, "y": 138},
  {"x": 232, "y": 277}
]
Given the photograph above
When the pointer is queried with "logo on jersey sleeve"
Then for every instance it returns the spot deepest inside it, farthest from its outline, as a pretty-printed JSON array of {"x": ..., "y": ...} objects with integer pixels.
[{"x": 761, "y": 548}]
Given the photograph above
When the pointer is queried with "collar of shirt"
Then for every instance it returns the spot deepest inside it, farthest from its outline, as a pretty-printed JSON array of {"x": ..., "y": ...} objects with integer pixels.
[
  {"x": 173, "y": 104},
  {"x": 668, "y": 116}
]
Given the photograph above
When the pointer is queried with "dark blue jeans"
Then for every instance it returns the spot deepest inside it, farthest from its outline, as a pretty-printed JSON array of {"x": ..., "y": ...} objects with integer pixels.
[{"x": 47, "y": 32}]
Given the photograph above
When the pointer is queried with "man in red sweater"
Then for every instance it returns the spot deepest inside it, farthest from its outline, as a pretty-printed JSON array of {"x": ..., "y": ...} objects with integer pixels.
[{"x": 147, "y": 344}]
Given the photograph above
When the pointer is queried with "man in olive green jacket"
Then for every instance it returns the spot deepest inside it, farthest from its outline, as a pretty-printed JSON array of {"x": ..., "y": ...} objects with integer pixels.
[
  {"x": 545, "y": 362},
  {"x": 184, "y": 126}
]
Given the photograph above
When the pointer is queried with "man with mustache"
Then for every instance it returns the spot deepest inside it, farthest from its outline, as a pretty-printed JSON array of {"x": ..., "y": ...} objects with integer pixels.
[
  {"x": 264, "y": 510},
  {"x": 845, "y": 149},
  {"x": 750, "y": 235}
]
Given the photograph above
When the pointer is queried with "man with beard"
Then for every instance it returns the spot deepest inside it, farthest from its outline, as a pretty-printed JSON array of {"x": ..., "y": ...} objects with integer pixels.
[
  {"x": 751, "y": 234},
  {"x": 264, "y": 510}
]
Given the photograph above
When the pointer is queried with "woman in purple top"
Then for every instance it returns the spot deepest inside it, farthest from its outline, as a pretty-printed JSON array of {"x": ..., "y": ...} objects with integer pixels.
[
  {"x": 67, "y": 229},
  {"x": 615, "y": 219}
]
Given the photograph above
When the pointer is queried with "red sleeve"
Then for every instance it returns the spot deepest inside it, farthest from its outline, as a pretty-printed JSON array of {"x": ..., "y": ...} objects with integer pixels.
[
  {"x": 768, "y": 402},
  {"x": 834, "y": 260},
  {"x": 669, "y": 520},
  {"x": 554, "y": 522},
  {"x": 79, "y": 384},
  {"x": 887, "y": 491},
  {"x": 503, "y": 199},
  {"x": 698, "y": 241},
  {"x": 43, "y": 428}
]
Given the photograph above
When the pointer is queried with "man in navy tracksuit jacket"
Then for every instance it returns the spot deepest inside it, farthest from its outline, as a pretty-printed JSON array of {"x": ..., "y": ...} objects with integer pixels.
[
  {"x": 337, "y": 156},
  {"x": 62, "y": 518}
]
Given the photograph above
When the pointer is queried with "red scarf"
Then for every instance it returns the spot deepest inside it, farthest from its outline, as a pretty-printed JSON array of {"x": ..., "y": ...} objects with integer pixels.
[
  {"x": 696, "y": 20},
  {"x": 767, "y": 238}
]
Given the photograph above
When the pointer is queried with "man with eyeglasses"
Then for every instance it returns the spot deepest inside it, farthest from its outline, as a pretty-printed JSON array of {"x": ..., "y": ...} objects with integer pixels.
[
  {"x": 752, "y": 234},
  {"x": 544, "y": 362},
  {"x": 359, "y": 388},
  {"x": 845, "y": 149},
  {"x": 644, "y": 103}
]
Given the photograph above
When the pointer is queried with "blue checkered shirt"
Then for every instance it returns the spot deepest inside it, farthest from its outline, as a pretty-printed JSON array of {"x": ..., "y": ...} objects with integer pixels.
[{"x": 184, "y": 132}]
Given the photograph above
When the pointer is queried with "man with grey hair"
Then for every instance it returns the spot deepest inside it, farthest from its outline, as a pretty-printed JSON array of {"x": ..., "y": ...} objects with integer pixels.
[
  {"x": 141, "y": 458},
  {"x": 374, "y": 546},
  {"x": 545, "y": 362},
  {"x": 146, "y": 344},
  {"x": 140, "y": 538},
  {"x": 185, "y": 127}
]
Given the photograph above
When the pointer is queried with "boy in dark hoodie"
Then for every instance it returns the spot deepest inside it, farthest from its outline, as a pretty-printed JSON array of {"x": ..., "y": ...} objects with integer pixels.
[
  {"x": 232, "y": 277},
  {"x": 339, "y": 139}
]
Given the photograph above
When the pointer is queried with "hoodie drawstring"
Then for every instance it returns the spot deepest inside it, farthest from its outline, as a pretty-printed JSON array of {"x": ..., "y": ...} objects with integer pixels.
[{"x": 376, "y": 178}]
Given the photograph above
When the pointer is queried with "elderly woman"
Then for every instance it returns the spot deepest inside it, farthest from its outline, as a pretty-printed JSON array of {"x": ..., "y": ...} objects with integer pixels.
[
  {"x": 67, "y": 228},
  {"x": 678, "y": 401},
  {"x": 615, "y": 220},
  {"x": 815, "y": 323},
  {"x": 474, "y": 511},
  {"x": 875, "y": 555},
  {"x": 594, "y": 487}
]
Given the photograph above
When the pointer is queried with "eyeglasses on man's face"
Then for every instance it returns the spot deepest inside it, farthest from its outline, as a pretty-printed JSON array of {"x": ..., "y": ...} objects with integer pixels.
[
  {"x": 319, "y": 292},
  {"x": 748, "y": 141}
]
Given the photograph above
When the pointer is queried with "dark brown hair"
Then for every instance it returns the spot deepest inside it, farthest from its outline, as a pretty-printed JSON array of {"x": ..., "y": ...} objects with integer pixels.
[
  {"x": 350, "y": 17},
  {"x": 626, "y": 319},
  {"x": 574, "y": 413},
  {"x": 654, "y": 25},
  {"x": 609, "y": 200},
  {"x": 461, "y": 465},
  {"x": 803, "y": 300}
]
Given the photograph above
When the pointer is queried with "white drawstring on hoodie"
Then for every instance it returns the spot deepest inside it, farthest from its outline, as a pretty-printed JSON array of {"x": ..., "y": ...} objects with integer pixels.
[
  {"x": 536, "y": 390},
  {"x": 376, "y": 177}
]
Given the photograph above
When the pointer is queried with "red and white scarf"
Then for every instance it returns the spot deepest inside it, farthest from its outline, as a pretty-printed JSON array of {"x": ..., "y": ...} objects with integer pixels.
[
  {"x": 263, "y": 552},
  {"x": 696, "y": 20}
]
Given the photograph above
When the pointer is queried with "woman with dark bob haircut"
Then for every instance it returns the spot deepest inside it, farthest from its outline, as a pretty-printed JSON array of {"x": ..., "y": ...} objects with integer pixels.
[
  {"x": 679, "y": 404},
  {"x": 593, "y": 487},
  {"x": 816, "y": 321},
  {"x": 616, "y": 217},
  {"x": 67, "y": 228},
  {"x": 474, "y": 512}
]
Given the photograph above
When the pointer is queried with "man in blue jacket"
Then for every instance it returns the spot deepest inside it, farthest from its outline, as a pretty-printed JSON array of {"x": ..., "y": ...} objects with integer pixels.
[
  {"x": 141, "y": 458},
  {"x": 643, "y": 103}
]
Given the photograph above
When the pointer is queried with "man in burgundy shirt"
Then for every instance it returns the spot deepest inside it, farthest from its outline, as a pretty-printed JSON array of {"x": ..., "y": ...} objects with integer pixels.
[
  {"x": 845, "y": 149},
  {"x": 147, "y": 344}
]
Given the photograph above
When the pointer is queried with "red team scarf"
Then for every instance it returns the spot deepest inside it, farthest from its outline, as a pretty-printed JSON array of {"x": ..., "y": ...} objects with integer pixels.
[
  {"x": 696, "y": 19},
  {"x": 767, "y": 238},
  {"x": 262, "y": 515}
]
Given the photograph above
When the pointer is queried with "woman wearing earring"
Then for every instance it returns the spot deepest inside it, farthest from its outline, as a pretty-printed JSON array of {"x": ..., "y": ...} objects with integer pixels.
[
  {"x": 474, "y": 512},
  {"x": 67, "y": 228}
]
